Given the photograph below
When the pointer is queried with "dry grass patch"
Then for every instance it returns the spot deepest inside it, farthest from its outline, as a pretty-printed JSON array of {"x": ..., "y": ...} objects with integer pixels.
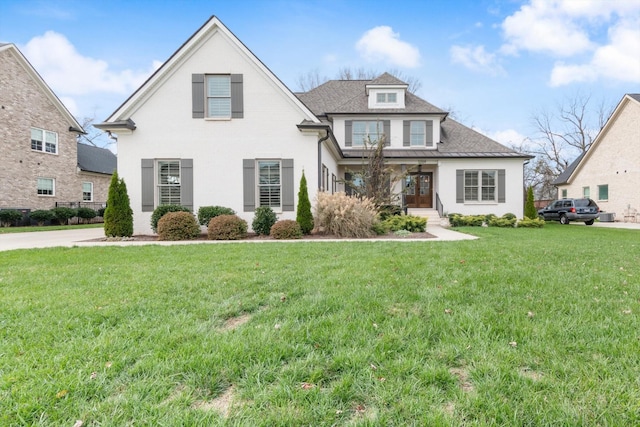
[
  {"x": 363, "y": 413},
  {"x": 221, "y": 404},
  {"x": 531, "y": 374},
  {"x": 463, "y": 379},
  {"x": 235, "y": 322},
  {"x": 175, "y": 394}
]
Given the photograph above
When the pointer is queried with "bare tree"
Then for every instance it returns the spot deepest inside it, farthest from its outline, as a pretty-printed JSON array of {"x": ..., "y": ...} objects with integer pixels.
[
  {"x": 93, "y": 136},
  {"x": 311, "y": 80}
]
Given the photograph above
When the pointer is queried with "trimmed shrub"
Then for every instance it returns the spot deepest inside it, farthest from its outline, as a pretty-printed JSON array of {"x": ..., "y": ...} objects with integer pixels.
[
  {"x": 502, "y": 222},
  {"x": 380, "y": 228},
  {"x": 63, "y": 215},
  {"x": 529, "y": 207},
  {"x": 345, "y": 216},
  {"x": 263, "y": 220},
  {"x": 303, "y": 211},
  {"x": 9, "y": 216},
  {"x": 531, "y": 223},
  {"x": 87, "y": 214},
  {"x": 458, "y": 220},
  {"x": 413, "y": 224},
  {"x": 205, "y": 213},
  {"x": 509, "y": 216},
  {"x": 178, "y": 226},
  {"x": 386, "y": 211},
  {"x": 41, "y": 216},
  {"x": 160, "y": 211},
  {"x": 100, "y": 212},
  {"x": 227, "y": 227},
  {"x": 286, "y": 229},
  {"x": 118, "y": 216},
  {"x": 489, "y": 217}
]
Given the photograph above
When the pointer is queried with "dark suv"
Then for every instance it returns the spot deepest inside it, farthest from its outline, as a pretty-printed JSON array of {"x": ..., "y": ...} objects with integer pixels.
[{"x": 567, "y": 210}]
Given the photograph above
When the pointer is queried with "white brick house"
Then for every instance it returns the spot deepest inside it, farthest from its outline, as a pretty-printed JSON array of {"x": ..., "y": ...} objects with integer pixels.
[
  {"x": 609, "y": 172},
  {"x": 214, "y": 126}
]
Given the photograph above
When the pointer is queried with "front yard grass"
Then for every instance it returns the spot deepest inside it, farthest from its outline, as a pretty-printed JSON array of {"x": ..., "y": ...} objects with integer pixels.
[
  {"x": 35, "y": 228},
  {"x": 521, "y": 327}
]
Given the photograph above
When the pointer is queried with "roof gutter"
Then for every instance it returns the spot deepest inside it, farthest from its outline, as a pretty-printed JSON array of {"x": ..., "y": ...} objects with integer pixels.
[{"x": 320, "y": 141}]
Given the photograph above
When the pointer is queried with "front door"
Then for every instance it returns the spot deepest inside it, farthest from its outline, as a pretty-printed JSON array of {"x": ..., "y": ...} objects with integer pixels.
[{"x": 419, "y": 188}]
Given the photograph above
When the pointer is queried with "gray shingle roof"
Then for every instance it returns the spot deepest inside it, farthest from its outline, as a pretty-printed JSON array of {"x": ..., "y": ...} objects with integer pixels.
[
  {"x": 635, "y": 96},
  {"x": 350, "y": 97},
  {"x": 95, "y": 159},
  {"x": 563, "y": 178},
  {"x": 387, "y": 79}
]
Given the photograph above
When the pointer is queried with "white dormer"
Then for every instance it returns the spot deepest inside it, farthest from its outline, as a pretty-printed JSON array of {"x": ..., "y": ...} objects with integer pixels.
[{"x": 385, "y": 96}]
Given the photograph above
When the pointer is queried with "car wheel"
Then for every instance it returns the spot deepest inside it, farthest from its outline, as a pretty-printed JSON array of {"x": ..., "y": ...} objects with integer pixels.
[
  {"x": 564, "y": 220},
  {"x": 590, "y": 222}
]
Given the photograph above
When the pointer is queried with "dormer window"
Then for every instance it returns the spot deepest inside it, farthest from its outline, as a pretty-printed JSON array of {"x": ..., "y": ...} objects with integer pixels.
[{"x": 387, "y": 98}]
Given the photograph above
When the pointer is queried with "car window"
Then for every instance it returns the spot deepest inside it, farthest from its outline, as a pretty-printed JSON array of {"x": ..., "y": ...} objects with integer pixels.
[
  {"x": 582, "y": 203},
  {"x": 567, "y": 204}
]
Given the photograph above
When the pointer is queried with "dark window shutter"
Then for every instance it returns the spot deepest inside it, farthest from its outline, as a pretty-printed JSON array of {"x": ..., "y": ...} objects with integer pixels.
[
  {"x": 406, "y": 133},
  {"x": 429, "y": 133},
  {"x": 197, "y": 96},
  {"x": 347, "y": 184},
  {"x": 502, "y": 198},
  {"x": 287, "y": 185},
  {"x": 249, "y": 184},
  {"x": 237, "y": 102},
  {"x": 186, "y": 183},
  {"x": 147, "y": 185},
  {"x": 386, "y": 128},
  {"x": 459, "y": 186},
  {"x": 348, "y": 134}
]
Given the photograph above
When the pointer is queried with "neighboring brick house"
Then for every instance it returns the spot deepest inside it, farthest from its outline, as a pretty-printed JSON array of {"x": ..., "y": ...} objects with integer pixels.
[
  {"x": 214, "y": 126},
  {"x": 609, "y": 172},
  {"x": 43, "y": 164}
]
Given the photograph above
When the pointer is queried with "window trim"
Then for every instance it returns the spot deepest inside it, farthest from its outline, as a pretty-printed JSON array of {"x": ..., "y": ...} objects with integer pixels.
[
  {"x": 586, "y": 192},
  {"x": 207, "y": 96},
  {"x": 53, "y": 187},
  {"x": 90, "y": 199},
  {"x": 424, "y": 133},
  {"x": 159, "y": 185},
  {"x": 278, "y": 207},
  {"x": 480, "y": 186},
  {"x": 43, "y": 142},
  {"x": 600, "y": 190},
  {"x": 356, "y": 142}
]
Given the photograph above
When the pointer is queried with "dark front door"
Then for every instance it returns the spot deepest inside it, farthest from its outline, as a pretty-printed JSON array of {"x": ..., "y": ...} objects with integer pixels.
[{"x": 419, "y": 190}]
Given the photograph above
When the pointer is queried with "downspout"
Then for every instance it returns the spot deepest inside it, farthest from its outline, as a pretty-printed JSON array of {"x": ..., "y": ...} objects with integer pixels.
[{"x": 320, "y": 141}]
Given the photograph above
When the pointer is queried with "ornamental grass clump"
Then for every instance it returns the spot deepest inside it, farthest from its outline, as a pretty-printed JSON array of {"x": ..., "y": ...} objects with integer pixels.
[
  {"x": 227, "y": 227},
  {"x": 178, "y": 226},
  {"x": 286, "y": 229},
  {"x": 345, "y": 216}
]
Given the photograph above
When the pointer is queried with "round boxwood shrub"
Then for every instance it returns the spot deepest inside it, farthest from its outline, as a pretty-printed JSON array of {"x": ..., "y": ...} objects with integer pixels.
[
  {"x": 205, "y": 213},
  {"x": 87, "y": 214},
  {"x": 160, "y": 211},
  {"x": 227, "y": 227},
  {"x": 286, "y": 229},
  {"x": 263, "y": 221},
  {"x": 9, "y": 216},
  {"x": 41, "y": 216},
  {"x": 178, "y": 226},
  {"x": 509, "y": 215},
  {"x": 63, "y": 215}
]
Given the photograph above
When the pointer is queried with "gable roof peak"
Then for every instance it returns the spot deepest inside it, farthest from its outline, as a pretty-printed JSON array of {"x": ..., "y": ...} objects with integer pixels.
[{"x": 387, "y": 79}]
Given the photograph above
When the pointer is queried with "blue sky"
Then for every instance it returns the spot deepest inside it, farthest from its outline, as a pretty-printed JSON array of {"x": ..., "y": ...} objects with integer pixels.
[{"x": 495, "y": 63}]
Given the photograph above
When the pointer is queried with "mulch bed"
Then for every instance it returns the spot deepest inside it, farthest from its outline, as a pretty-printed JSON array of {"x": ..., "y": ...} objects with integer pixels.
[{"x": 253, "y": 236}]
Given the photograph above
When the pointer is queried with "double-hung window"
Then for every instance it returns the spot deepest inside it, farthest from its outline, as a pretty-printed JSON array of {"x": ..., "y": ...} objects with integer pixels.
[
  {"x": 369, "y": 131},
  {"x": 218, "y": 96},
  {"x": 44, "y": 140},
  {"x": 87, "y": 191},
  {"x": 46, "y": 187},
  {"x": 417, "y": 133},
  {"x": 169, "y": 188},
  {"x": 480, "y": 186},
  {"x": 387, "y": 98},
  {"x": 586, "y": 192},
  {"x": 269, "y": 183},
  {"x": 603, "y": 192}
]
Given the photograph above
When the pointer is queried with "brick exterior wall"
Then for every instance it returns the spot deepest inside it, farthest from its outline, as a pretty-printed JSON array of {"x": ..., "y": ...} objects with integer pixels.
[{"x": 23, "y": 105}]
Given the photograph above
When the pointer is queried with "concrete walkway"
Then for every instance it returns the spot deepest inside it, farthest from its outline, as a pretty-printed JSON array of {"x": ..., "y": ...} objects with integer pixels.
[{"x": 84, "y": 237}]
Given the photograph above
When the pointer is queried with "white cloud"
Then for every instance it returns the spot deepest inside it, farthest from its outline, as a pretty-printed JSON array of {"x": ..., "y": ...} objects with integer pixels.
[
  {"x": 70, "y": 73},
  {"x": 619, "y": 59},
  {"x": 544, "y": 26},
  {"x": 477, "y": 59},
  {"x": 71, "y": 105},
  {"x": 382, "y": 44},
  {"x": 508, "y": 137}
]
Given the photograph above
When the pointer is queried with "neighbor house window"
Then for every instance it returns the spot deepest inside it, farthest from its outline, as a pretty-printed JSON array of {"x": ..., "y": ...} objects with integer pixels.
[
  {"x": 87, "y": 191},
  {"x": 46, "y": 187},
  {"x": 44, "y": 140},
  {"x": 334, "y": 183},
  {"x": 417, "y": 133},
  {"x": 480, "y": 186},
  {"x": 269, "y": 183},
  {"x": 169, "y": 188},
  {"x": 325, "y": 178},
  {"x": 603, "y": 192},
  {"x": 370, "y": 131},
  {"x": 387, "y": 98},
  {"x": 564, "y": 193},
  {"x": 219, "y": 96},
  {"x": 586, "y": 192}
]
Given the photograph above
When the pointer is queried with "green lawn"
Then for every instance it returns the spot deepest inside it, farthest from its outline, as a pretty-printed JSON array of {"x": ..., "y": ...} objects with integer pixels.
[
  {"x": 521, "y": 327},
  {"x": 6, "y": 230}
]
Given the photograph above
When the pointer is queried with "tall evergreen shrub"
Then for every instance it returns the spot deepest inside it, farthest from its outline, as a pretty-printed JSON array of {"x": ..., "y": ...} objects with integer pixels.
[
  {"x": 304, "y": 217},
  {"x": 529, "y": 207},
  {"x": 118, "y": 216}
]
